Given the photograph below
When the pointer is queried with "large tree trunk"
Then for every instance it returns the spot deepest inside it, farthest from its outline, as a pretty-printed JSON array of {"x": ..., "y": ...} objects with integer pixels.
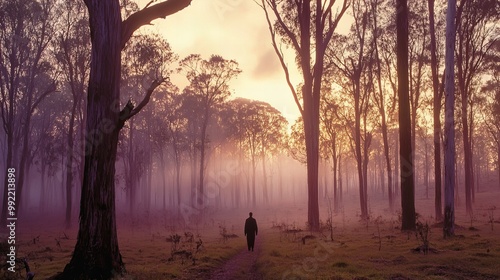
[
  {"x": 310, "y": 115},
  {"x": 449, "y": 124},
  {"x": 312, "y": 147},
  {"x": 405, "y": 139},
  {"x": 96, "y": 254}
]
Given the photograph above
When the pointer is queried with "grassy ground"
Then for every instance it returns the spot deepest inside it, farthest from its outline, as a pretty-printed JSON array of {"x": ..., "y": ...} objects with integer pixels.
[
  {"x": 370, "y": 249},
  {"x": 359, "y": 252}
]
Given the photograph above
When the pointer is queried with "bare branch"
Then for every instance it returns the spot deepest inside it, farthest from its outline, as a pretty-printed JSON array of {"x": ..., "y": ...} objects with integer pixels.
[
  {"x": 129, "y": 111},
  {"x": 281, "y": 57},
  {"x": 50, "y": 89},
  {"x": 148, "y": 14}
]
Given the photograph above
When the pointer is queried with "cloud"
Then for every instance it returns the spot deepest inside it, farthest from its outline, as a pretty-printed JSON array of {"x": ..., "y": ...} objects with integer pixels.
[{"x": 268, "y": 66}]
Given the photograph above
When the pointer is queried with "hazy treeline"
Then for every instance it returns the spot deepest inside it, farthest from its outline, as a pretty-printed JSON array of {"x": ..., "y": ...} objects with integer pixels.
[{"x": 199, "y": 143}]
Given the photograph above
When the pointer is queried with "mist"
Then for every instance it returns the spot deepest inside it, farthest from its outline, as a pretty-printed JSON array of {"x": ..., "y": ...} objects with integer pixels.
[{"x": 249, "y": 139}]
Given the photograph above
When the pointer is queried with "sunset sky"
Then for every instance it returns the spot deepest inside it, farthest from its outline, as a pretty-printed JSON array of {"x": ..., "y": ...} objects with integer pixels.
[{"x": 234, "y": 29}]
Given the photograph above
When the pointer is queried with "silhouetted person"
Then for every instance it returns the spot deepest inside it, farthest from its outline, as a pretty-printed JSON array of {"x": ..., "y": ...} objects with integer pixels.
[{"x": 250, "y": 231}]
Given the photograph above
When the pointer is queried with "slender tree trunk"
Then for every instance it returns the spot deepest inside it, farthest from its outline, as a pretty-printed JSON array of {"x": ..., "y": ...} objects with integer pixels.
[
  {"x": 436, "y": 115},
  {"x": 405, "y": 139},
  {"x": 43, "y": 190},
  {"x": 131, "y": 174},
  {"x": 449, "y": 142},
  {"x": 335, "y": 180},
  {"x": 359, "y": 156},
  {"x": 340, "y": 180},
  {"x": 466, "y": 136},
  {"x": 193, "y": 173},
  {"x": 178, "y": 178},
  {"x": 69, "y": 164},
  {"x": 203, "y": 144},
  {"x": 264, "y": 179},
  {"x": 162, "y": 171},
  {"x": 366, "y": 159},
  {"x": 254, "y": 178},
  {"x": 396, "y": 170},
  {"x": 21, "y": 173},
  {"x": 498, "y": 161},
  {"x": 426, "y": 170},
  {"x": 388, "y": 165}
]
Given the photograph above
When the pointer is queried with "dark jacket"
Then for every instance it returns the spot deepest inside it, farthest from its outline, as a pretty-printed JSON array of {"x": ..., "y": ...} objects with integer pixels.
[{"x": 251, "y": 226}]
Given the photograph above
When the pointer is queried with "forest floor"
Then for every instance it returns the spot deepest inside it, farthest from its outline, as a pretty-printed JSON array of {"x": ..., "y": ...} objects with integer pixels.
[{"x": 361, "y": 249}]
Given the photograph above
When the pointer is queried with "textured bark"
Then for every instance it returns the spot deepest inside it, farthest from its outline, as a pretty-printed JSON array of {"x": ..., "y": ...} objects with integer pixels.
[
  {"x": 407, "y": 180},
  {"x": 449, "y": 124},
  {"x": 96, "y": 254}
]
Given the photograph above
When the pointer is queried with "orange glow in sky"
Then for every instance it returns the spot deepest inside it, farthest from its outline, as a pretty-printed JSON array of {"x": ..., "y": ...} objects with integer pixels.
[{"x": 234, "y": 29}]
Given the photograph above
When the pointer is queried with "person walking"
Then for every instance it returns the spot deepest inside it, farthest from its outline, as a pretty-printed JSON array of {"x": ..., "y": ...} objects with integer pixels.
[{"x": 251, "y": 231}]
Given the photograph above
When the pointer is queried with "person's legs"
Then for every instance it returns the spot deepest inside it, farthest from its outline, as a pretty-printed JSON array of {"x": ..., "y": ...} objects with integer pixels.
[{"x": 251, "y": 242}]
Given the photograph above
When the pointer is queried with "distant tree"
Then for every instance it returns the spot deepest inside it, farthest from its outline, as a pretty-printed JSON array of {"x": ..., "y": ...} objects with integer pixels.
[
  {"x": 492, "y": 91},
  {"x": 26, "y": 78},
  {"x": 307, "y": 27},
  {"x": 384, "y": 102},
  {"x": 235, "y": 113},
  {"x": 96, "y": 254},
  {"x": 331, "y": 137},
  {"x": 72, "y": 47},
  {"x": 265, "y": 131},
  {"x": 405, "y": 152},
  {"x": 418, "y": 58},
  {"x": 147, "y": 58},
  {"x": 209, "y": 83},
  {"x": 176, "y": 124},
  {"x": 48, "y": 138},
  {"x": 353, "y": 62},
  {"x": 449, "y": 124},
  {"x": 296, "y": 144},
  {"x": 476, "y": 33}
]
